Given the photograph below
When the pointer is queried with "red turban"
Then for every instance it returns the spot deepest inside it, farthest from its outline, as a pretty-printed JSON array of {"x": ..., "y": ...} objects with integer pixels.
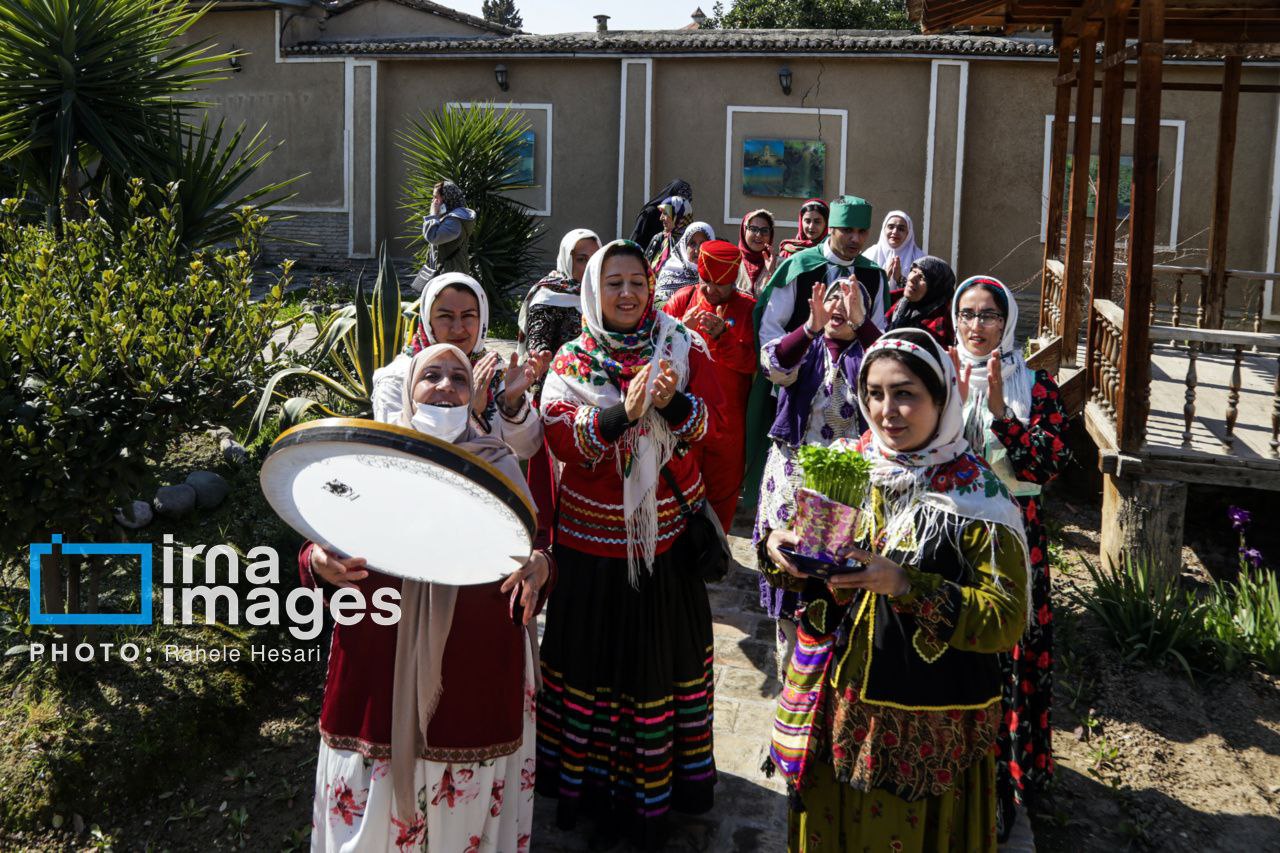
[{"x": 719, "y": 262}]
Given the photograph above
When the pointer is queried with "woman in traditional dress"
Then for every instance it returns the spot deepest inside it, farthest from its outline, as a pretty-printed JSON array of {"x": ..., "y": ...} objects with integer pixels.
[
  {"x": 551, "y": 312},
  {"x": 427, "y": 726},
  {"x": 676, "y": 213},
  {"x": 628, "y": 646},
  {"x": 816, "y": 370},
  {"x": 551, "y": 315},
  {"x": 755, "y": 239},
  {"x": 814, "y": 214},
  {"x": 1015, "y": 419},
  {"x": 897, "y": 250},
  {"x": 890, "y": 706},
  {"x": 925, "y": 301},
  {"x": 454, "y": 310},
  {"x": 681, "y": 269},
  {"x": 649, "y": 220},
  {"x": 447, "y": 230}
]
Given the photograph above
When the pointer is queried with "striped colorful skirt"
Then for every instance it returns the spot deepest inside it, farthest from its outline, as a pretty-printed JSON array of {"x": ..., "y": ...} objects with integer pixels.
[{"x": 624, "y": 719}]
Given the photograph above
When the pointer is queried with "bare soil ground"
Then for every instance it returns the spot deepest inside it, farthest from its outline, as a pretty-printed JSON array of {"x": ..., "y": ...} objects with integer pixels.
[{"x": 1146, "y": 759}]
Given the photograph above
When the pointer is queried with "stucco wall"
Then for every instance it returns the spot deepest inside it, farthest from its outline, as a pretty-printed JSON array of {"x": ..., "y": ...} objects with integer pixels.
[
  {"x": 886, "y": 99},
  {"x": 585, "y": 132}
]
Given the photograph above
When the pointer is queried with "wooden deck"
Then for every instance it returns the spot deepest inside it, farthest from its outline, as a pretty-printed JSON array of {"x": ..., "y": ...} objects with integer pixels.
[{"x": 1246, "y": 458}]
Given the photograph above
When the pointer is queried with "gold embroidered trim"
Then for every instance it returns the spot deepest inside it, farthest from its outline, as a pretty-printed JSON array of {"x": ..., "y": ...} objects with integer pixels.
[{"x": 431, "y": 753}]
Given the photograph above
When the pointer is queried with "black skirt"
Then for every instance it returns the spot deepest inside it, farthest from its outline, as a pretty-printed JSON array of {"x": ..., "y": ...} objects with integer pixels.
[{"x": 624, "y": 719}]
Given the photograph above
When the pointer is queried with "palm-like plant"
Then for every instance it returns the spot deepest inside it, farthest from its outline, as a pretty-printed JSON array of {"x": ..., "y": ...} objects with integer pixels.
[
  {"x": 476, "y": 148},
  {"x": 208, "y": 176},
  {"x": 85, "y": 83},
  {"x": 351, "y": 344}
]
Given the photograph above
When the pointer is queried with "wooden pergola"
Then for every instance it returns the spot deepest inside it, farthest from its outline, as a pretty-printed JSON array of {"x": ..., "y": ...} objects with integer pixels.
[{"x": 1149, "y": 448}]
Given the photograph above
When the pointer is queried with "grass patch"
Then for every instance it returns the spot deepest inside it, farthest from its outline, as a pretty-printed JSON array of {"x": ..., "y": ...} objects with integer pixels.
[{"x": 106, "y": 737}]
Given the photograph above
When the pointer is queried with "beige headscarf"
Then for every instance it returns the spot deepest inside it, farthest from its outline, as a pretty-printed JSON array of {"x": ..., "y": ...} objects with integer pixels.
[{"x": 426, "y": 609}]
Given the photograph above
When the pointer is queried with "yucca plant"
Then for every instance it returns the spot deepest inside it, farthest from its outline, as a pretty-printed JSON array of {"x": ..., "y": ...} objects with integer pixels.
[
  {"x": 85, "y": 83},
  {"x": 350, "y": 345},
  {"x": 1147, "y": 616},
  {"x": 475, "y": 147},
  {"x": 206, "y": 175}
]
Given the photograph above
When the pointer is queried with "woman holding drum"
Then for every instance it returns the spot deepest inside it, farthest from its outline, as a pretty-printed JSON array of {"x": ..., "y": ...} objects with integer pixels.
[
  {"x": 624, "y": 724},
  {"x": 427, "y": 727}
]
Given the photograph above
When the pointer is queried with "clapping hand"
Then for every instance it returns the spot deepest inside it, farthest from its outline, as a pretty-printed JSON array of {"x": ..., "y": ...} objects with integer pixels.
[
  {"x": 818, "y": 313},
  {"x": 637, "y": 399},
  {"x": 962, "y": 373},
  {"x": 520, "y": 375},
  {"x": 894, "y": 270},
  {"x": 666, "y": 385},
  {"x": 995, "y": 386},
  {"x": 485, "y": 370},
  {"x": 708, "y": 323}
]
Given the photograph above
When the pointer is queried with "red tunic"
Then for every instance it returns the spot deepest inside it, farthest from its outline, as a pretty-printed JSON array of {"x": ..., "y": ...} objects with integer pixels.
[
  {"x": 481, "y": 707},
  {"x": 590, "y": 514},
  {"x": 735, "y": 358}
]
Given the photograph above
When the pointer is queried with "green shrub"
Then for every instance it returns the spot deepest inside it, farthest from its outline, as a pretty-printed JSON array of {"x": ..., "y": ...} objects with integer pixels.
[
  {"x": 1242, "y": 620},
  {"x": 112, "y": 342},
  {"x": 87, "y": 86},
  {"x": 1147, "y": 617}
]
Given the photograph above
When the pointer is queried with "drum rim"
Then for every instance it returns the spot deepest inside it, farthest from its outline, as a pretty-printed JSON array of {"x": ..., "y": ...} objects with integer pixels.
[{"x": 317, "y": 430}]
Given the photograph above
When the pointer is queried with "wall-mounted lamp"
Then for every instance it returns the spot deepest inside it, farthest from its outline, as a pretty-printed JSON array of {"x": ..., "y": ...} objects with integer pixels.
[
  {"x": 500, "y": 74},
  {"x": 234, "y": 60},
  {"x": 784, "y": 79}
]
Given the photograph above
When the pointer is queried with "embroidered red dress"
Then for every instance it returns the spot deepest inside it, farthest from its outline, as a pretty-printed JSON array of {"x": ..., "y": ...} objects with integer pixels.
[
  {"x": 621, "y": 662},
  {"x": 734, "y": 359}
]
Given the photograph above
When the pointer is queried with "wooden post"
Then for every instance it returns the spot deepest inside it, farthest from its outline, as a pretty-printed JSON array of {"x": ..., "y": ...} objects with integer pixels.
[
  {"x": 1135, "y": 353},
  {"x": 1078, "y": 204},
  {"x": 1057, "y": 172},
  {"x": 1144, "y": 518},
  {"x": 1216, "y": 296},
  {"x": 1104, "y": 221}
]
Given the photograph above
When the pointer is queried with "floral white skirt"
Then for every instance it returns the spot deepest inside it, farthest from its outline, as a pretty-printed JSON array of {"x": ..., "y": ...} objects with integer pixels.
[{"x": 463, "y": 807}]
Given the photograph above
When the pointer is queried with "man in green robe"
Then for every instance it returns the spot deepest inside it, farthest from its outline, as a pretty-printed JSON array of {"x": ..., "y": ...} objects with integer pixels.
[{"x": 784, "y": 305}]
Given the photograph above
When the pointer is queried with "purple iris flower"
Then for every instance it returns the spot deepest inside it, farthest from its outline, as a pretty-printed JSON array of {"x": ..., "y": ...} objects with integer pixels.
[
  {"x": 1253, "y": 555},
  {"x": 1240, "y": 518}
]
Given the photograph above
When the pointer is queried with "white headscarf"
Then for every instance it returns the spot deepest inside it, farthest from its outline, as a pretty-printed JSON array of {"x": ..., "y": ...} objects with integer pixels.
[
  {"x": 916, "y": 510},
  {"x": 679, "y": 270},
  {"x": 908, "y": 253},
  {"x": 564, "y": 259},
  {"x": 650, "y": 442},
  {"x": 1018, "y": 380},
  {"x": 432, "y": 292}
]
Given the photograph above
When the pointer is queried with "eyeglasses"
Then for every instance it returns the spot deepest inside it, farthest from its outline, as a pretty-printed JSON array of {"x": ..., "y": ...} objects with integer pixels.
[
  {"x": 985, "y": 318},
  {"x": 758, "y": 229}
]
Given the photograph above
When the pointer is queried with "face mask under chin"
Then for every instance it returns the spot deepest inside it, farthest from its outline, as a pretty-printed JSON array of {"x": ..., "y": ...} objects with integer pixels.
[{"x": 443, "y": 422}]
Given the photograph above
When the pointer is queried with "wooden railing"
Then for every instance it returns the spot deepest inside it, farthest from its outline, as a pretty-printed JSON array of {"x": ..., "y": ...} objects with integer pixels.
[
  {"x": 1233, "y": 345},
  {"x": 1051, "y": 299},
  {"x": 1179, "y": 294},
  {"x": 1104, "y": 381}
]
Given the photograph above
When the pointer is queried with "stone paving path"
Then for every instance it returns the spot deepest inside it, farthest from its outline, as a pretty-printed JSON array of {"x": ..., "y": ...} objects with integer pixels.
[{"x": 751, "y": 811}]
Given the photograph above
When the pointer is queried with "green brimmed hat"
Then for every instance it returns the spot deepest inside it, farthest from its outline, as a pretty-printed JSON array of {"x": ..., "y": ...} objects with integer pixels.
[{"x": 849, "y": 211}]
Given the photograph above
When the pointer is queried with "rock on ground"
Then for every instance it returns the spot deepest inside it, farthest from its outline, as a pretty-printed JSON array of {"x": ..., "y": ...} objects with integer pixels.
[{"x": 175, "y": 501}]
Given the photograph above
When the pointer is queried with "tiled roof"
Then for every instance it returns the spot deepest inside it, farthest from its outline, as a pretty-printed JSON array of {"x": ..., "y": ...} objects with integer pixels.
[
  {"x": 340, "y": 6},
  {"x": 691, "y": 42}
]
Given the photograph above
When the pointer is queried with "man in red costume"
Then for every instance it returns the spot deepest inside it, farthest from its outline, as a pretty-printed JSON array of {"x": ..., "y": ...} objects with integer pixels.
[{"x": 721, "y": 313}]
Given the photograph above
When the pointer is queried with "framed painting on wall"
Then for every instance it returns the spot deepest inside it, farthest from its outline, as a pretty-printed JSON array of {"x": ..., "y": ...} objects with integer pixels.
[
  {"x": 786, "y": 168},
  {"x": 524, "y": 149}
]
